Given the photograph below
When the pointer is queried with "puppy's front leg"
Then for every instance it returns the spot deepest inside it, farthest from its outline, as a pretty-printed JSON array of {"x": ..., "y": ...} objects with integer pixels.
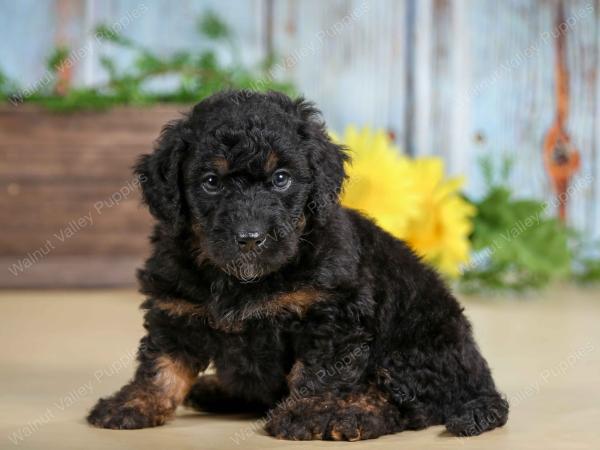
[{"x": 161, "y": 382}]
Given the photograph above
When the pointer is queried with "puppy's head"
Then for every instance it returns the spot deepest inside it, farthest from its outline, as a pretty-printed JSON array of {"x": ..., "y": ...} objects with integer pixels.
[{"x": 245, "y": 172}]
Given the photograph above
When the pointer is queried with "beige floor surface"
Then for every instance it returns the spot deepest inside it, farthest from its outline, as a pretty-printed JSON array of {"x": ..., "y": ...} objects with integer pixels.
[{"x": 60, "y": 351}]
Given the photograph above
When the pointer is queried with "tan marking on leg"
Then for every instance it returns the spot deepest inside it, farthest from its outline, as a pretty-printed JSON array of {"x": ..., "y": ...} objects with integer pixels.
[
  {"x": 337, "y": 435},
  {"x": 372, "y": 401},
  {"x": 173, "y": 378},
  {"x": 159, "y": 398}
]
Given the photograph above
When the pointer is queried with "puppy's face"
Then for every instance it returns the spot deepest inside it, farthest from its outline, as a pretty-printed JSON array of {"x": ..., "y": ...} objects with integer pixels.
[
  {"x": 247, "y": 183},
  {"x": 245, "y": 172}
]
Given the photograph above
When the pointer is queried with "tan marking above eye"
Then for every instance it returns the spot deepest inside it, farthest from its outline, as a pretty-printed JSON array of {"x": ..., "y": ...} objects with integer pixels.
[
  {"x": 271, "y": 162},
  {"x": 221, "y": 165}
]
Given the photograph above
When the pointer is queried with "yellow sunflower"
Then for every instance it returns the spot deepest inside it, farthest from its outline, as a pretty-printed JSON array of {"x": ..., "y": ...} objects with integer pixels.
[{"x": 410, "y": 198}]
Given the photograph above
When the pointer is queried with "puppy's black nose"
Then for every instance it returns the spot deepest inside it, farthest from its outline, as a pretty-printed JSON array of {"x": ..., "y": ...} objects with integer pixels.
[{"x": 249, "y": 240}]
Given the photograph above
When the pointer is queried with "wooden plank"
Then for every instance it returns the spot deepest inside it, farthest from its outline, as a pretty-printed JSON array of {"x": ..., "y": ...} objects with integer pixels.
[
  {"x": 73, "y": 272},
  {"x": 91, "y": 241},
  {"x": 582, "y": 60},
  {"x": 57, "y": 161},
  {"x": 178, "y": 21},
  {"x": 422, "y": 109},
  {"x": 103, "y": 216},
  {"x": 441, "y": 77},
  {"x": 347, "y": 56},
  {"x": 59, "y": 169},
  {"x": 28, "y": 33},
  {"x": 47, "y": 208},
  {"x": 119, "y": 126},
  {"x": 595, "y": 163},
  {"x": 458, "y": 155},
  {"x": 511, "y": 97},
  {"x": 499, "y": 56}
]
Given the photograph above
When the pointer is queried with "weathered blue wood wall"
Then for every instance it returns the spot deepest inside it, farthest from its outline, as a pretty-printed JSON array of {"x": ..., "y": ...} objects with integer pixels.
[{"x": 456, "y": 78}]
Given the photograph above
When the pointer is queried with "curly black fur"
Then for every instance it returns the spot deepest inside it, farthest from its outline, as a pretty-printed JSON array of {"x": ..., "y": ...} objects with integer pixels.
[{"x": 301, "y": 305}]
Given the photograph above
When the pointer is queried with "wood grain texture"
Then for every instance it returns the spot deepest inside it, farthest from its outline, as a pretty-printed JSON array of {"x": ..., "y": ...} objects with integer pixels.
[
  {"x": 71, "y": 208},
  {"x": 453, "y": 78},
  {"x": 73, "y": 272},
  {"x": 543, "y": 353}
]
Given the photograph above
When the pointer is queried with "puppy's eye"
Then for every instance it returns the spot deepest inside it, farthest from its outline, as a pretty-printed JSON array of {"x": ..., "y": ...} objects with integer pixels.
[
  {"x": 281, "y": 180},
  {"x": 211, "y": 183}
]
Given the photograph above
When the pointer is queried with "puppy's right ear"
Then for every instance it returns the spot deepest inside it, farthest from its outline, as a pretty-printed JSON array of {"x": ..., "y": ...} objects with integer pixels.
[{"x": 159, "y": 175}]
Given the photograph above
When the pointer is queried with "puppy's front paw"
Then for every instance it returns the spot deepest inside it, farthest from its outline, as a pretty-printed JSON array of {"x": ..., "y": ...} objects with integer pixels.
[{"x": 118, "y": 415}]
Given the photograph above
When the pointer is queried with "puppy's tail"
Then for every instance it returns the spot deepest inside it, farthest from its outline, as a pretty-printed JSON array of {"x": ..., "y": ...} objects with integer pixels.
[{"x": 479, "y": 415}]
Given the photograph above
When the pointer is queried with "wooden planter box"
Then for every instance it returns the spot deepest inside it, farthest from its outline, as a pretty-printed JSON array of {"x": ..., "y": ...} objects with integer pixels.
[{"x": 71, "y": 213}]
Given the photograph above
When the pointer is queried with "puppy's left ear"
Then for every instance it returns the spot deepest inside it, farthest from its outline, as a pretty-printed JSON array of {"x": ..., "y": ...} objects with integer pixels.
[
  {"x": 159, "y": 175},
  {"x": 326, "y": 161}
]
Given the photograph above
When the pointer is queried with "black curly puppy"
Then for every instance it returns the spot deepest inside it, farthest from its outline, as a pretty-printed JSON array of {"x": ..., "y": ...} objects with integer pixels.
[{"x": 306, "y": 309}]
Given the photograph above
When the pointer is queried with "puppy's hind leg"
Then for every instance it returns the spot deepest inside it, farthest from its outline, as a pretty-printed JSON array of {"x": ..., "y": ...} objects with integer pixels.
[
  {"x": 363, "y": 414},
  {"x": 476, "y": 405},
  {"x": 453, "y": 387}
]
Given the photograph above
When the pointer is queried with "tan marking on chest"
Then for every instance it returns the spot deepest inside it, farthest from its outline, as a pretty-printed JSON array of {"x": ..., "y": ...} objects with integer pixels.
[
  {"x": 181, "y": 308},
  {"x": 296, "y": 302}
]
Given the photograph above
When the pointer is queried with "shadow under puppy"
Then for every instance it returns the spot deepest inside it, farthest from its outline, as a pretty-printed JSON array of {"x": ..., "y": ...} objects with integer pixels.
[{"x": 305, "y": 309}]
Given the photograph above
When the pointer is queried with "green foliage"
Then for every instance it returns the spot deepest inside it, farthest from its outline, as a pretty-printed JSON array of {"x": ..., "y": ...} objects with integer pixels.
[
  {"x": 213, "y": 27},
  {"x": 197, "y": 74},
  {"x": 587, "y": 264},
  {"x": 104, "y": 32},
  {"x": 57, "y": 58},
  {"x": 517, "y": 245},
  {"x": 3, "y": 83},
  {"x": 590, "y": 271},
  {"x": 7, "y": 87}
]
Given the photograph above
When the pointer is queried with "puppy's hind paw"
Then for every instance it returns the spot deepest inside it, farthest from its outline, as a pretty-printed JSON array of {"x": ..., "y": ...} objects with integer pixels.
[
  {"x": 479, "y": 415},
  {"x": 332, "y": 419}
]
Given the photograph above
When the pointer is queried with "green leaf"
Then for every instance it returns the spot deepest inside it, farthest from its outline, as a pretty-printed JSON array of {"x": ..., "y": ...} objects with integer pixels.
[
  {"x": 106, "y": 33},
  {"x": 525, "y": 248},
  {"x": 211, "y": 26},
  {"x": 200, "y": 73},
  {"x": 57, "y": 58}
]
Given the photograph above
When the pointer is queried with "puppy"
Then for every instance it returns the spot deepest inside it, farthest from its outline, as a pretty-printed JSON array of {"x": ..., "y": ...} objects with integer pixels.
[{"x": 307, "y": 310}]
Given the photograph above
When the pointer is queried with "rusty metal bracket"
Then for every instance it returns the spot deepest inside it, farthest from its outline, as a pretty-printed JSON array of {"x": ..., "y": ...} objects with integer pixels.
[{"x": 561, "y": 158}]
